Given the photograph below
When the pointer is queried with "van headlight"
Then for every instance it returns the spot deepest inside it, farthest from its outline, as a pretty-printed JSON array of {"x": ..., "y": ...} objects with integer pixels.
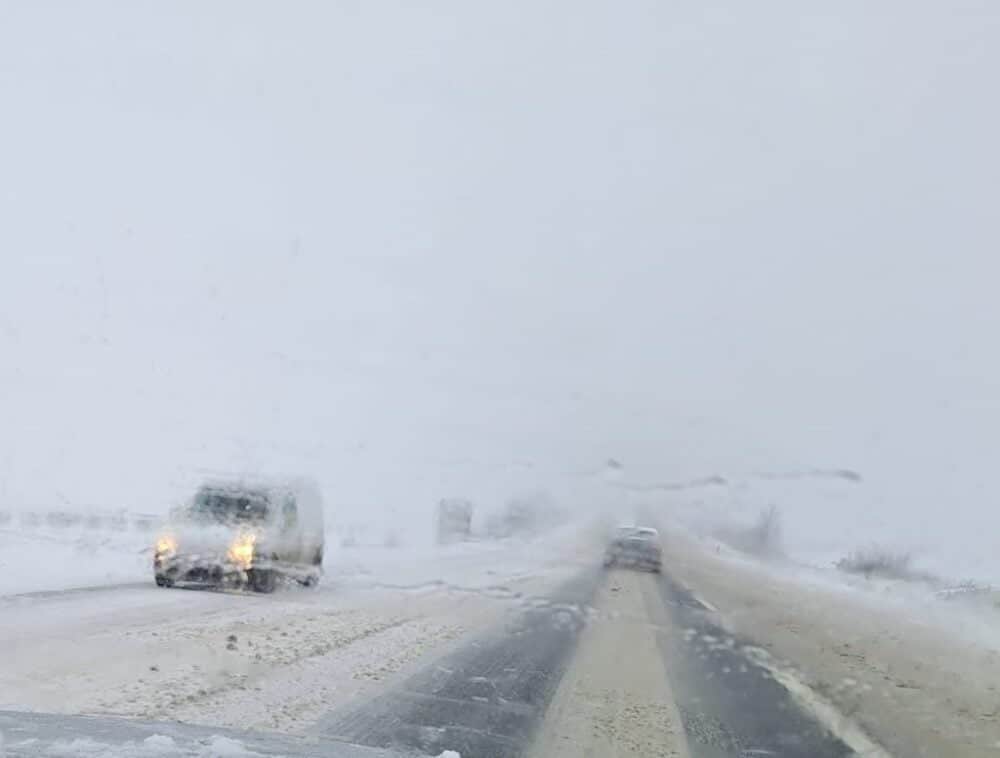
[
  {"x": 166, "y": 547},
  {"x": 242, "y": 549}
]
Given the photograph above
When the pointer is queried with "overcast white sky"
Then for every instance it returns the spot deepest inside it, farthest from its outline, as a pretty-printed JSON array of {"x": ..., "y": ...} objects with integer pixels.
[{"x": 414, "y": 247}]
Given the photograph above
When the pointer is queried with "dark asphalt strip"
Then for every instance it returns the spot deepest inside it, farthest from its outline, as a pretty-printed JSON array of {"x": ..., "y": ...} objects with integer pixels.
[
  {"x": 486, "y": 698},
  {"x": 731, "y": 706}
]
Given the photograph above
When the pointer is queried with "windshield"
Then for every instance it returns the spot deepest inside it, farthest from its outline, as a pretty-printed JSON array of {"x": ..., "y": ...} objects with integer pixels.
[
  {"x": 499, "y": 378},
  {"x": 228, "y": 506}
]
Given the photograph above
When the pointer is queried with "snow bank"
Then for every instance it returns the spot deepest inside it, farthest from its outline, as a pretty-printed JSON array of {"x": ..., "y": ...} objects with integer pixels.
[{"x": 47, "y": 558}]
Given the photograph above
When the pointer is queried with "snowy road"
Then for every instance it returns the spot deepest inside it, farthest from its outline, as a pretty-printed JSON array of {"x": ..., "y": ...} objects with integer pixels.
[
  {"x": 271, "y": 662},
  {"x": 493, "y": 650}
]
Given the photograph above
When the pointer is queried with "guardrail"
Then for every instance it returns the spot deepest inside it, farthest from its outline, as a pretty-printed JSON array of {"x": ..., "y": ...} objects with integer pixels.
[{"x": 116, "y": 521}]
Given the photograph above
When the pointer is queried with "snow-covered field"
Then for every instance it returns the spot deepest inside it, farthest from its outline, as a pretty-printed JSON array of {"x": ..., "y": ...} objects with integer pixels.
[
  {"x": 824, "y": 519},
  {"x": 42, "y": 557}
]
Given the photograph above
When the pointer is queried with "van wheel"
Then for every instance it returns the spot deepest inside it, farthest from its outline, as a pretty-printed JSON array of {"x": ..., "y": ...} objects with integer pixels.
[{"x": 263, "y": 580}]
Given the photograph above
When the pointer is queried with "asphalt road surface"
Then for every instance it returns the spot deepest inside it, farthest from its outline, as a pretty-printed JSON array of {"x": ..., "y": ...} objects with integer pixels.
[
  {"x": 730, "y": 704},
  {"x": 550, "y": 660},
  {"x": 491, "y": 697},
  {"x": 486, "y": 698}
]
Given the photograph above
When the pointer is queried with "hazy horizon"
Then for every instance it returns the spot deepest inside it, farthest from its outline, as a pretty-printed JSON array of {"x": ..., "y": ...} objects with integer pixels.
[{"x": 425, "y": 251}]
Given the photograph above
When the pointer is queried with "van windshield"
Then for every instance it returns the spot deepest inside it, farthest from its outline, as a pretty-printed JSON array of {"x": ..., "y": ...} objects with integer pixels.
[{"x": 227, "y": 505}]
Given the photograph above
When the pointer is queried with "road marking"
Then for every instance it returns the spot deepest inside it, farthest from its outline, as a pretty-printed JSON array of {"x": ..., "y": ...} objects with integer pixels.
[{"x": 839, "y": 725}]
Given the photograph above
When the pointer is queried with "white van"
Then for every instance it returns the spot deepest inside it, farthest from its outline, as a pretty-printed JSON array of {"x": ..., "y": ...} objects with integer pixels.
[{"x": 244, "y": 533}]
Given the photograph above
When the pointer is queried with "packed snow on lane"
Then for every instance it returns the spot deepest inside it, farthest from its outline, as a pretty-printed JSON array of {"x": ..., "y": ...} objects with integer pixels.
[{"x": 275, "y": 662}]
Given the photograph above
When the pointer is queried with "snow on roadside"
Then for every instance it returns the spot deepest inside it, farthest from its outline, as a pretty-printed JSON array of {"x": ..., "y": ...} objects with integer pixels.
[
  {"x": 43, "y": 558},
  {"x": 825, "y": 520},
  {"x": 973, "y": 618}
]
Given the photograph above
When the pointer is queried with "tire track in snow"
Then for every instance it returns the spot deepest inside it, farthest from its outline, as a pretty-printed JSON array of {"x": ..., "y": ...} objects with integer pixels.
[
  {"x": 731, "y": 705},
  {"x": 486, "y": 698}
]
